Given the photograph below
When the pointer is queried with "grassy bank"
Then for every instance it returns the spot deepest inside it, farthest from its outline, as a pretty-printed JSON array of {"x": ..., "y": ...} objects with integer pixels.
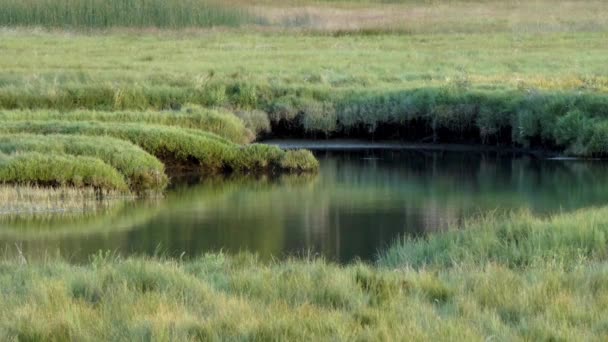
[
  {"x": 60, "y": 170},
  {"x": 177, "y": 147},
  {"x": 142, "y": 171},
  {"x": 557, "y": 293}
]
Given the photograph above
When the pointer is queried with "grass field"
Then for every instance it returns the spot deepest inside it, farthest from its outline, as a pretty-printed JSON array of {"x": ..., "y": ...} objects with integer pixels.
[
  {"x": 463, "y": 285},
  {"x": 521, "y": 89},
  {"x": 105, "y": 98}
]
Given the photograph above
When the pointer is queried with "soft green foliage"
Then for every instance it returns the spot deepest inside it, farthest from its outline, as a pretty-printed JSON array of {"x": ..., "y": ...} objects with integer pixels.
[
  {"x": 222, "y": 297},
  {"x": 256, "y": 120},
  {"x": 119, "y": 13},
  {"x": 142, "y": 171},
  {"x": 177, "y": 147},
  {"x": 222, "y": 123},
  {"x": 516, "y": 240},
  {"x": 299, "y": 160},
  {"x": 59, "y": 170},
  {"x": 170, "y": 144}
]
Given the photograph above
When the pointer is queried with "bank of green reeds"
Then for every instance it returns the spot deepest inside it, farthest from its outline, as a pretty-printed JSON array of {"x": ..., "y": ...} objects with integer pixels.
[
  {"x": 32, "y": 168},
  {"x": 222, "y": 123},
  {"x": 175, "y": 146},
  {"x": 142, "y": 171},
  {"x": 120, "y": 13},
  {"x": 558, "y": 293},
  {"x": 560, "y": 120}
]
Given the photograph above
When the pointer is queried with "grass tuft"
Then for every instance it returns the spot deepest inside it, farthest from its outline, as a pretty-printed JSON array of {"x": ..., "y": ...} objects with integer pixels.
[
  {"x": 60, "y": 170},
  {"x": 142, "y": 171}
]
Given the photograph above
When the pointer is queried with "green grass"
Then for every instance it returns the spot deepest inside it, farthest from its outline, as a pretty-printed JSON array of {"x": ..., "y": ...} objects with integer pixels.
[
  {"x": 222, "y": 123},
  {"x": 523, "y": 89},
  {"x": 515, "y": 240},
  {"x": 142, "y": 171},
  {"x": 32, "y": 168},
  {"x": 176, "y": 147},
  {"x": 558, "y": 295},
  {"x": 120, "y": 13}
]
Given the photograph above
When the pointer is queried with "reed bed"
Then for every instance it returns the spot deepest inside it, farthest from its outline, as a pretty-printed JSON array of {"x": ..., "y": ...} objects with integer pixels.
[{"x": 121, "y": 13}]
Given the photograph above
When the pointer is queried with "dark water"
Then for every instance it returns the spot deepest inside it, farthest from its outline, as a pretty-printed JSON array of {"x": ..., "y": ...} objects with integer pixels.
[{"x": 358, "y": 203}]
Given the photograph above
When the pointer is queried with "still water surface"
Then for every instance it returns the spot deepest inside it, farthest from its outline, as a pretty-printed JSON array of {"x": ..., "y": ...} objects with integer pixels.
[{"x": 360, "y": 201}]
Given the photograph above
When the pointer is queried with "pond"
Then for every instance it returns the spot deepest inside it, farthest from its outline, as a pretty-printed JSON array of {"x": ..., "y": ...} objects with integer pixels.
[{"x": 359, "y": 202}]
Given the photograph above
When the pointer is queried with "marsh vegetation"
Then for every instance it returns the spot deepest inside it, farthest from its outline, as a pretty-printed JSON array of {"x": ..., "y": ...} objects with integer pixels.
[{"x": 103, "y": 104}]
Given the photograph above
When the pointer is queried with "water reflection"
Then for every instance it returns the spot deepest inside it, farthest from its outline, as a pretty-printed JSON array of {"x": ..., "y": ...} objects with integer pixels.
[{"x": 359, "y": 202}]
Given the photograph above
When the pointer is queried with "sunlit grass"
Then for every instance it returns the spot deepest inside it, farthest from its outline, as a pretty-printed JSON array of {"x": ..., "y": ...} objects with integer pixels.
[
  {"x": 222, "y": 123},
  {"x": 25, "y": 168},
  {"x": 559, "y": 293},
  {"x": 142, "y": 171}
]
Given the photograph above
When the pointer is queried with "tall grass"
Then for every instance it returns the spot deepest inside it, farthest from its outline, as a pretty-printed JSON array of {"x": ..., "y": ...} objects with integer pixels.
[
  {"x": 514, "y": 240},
  {"x": 238, "y": 297},
  {"x": 32, "y": 168},
  {"x": 142, "y": 171},
  {"x": 570, "y": 121},
  {"x": 222, "y": 123},
  {"x": 120, "y": 13}
]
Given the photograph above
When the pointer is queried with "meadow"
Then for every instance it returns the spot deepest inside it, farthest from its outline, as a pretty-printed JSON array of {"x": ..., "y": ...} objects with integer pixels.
[{"x": 110, "y": 99}]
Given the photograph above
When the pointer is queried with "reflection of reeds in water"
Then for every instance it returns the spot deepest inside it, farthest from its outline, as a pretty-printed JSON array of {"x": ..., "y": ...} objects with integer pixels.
[
  {"x": 87, "y": 218},
  {"x": 34, "y": 200}
]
